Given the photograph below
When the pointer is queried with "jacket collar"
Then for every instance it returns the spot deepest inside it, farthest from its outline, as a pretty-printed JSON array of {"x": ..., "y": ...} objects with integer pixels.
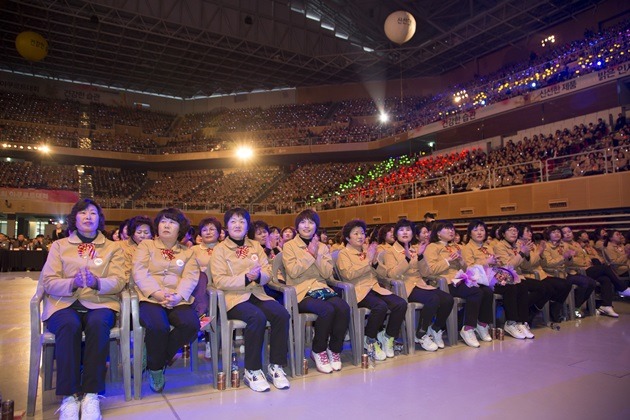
[
  {"x": 99, "y": 240},
  {"x": 160, "y": 245}
]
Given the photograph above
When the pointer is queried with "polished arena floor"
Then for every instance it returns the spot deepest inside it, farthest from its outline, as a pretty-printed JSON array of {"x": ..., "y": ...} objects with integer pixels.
[{"x": 581, "y": 371}]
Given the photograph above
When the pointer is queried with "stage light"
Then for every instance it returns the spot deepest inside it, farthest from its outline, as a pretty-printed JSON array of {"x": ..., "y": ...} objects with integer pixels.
[
  {"x": 244, "y": 153},
  {"x": 383, "y": 117}
]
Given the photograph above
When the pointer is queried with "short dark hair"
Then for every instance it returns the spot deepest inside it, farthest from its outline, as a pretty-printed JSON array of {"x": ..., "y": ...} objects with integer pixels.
[
  {"x": 291, "y": 228},
  {"x": 404, "y": 223},
  {"x": 347, "y": 228},
  {"x": 236, "y": 211},
  {"x": 176, "y": 215},
  {"x": 474, "y": 224},
  {"x": 136, "y": 222},
  {"x": 382, "y": 232},
  {"x": 210, "y": 221},
  {"x": 257, "y": 224},
  {"x": 80, "y": 206},
  {"x": 505, "y": 226},
  {"x": 429, "y": 215},
  {"x": 524, "y": 226},
  {"x": 122, "y": 225},
  {"x": 308, "y": 214},
  {"x": 438, "y": 226},
  {"x": 550, "y": 229}
]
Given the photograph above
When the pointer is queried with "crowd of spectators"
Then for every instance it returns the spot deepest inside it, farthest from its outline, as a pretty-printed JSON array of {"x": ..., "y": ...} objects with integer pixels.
[
  {"x": 20, "y": 174},
  {"x": 114, "y": 142},
  {"x": 12, "y": 132}
]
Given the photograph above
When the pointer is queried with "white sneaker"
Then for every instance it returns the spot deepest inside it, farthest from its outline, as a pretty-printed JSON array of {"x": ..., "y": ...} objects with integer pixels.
[
  {"x": 322, "y": 363},
  {"x": 625, "y": 293},
  {"x": 255, "y": 379},
  {"x": 379, "y": 354},
  {"x": 437, "y": 337},
  {"x": 513, "y": 329},
  {"x": 69, "y": 409},
  {"x": 387, "y": 343},
  {"x": 469, "y": 337},
  {"x": 276, "y": 375},
  {"x": 524, "y": 327},
  {"x": 426, "y": 342},
  {"x": 483, "y": 333},
  {"x": 335, "y": 360},
  {"x": 608, "y": 311},
  {"x": 91, "y": 407}
]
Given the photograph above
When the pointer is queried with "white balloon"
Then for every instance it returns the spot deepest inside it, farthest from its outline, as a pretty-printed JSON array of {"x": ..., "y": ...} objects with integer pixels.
[{"x": 400, "y": 27}]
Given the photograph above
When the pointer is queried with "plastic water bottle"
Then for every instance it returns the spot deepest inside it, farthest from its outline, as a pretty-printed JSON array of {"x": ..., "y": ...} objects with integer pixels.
[{"x": 371, "y": 356}]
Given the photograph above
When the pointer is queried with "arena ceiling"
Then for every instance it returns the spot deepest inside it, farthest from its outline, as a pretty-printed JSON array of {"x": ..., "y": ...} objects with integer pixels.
[{"x": 187, "y": 48}]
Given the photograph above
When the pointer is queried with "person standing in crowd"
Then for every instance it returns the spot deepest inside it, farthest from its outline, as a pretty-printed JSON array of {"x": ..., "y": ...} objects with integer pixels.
[
  {"x": 555, "y": 258},
  {"x": 444, "y": 259},
  {"x": 165, "y": 274},
  {"x": 58, "y": 233},
  {"x": 240, "y": 268},
  {"x": 308, "y": 265},
  {"x": 358, "y": 266},
  {"x": 403, "y": 261},
  {"x": 82, "y": 279}
]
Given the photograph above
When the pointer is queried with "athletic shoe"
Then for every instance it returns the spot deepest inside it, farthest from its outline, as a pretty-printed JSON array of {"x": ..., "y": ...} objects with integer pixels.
[
  {"x": 379, "y": 354},
  {"x": 625, "y": 293},
  {"x": 483, "y": 333},
  {"x": 513, "y": 329},
  {"x": 608, "y": 311},
  {"x": 91, "y": 407},
  {"x": 322, "y": 363},
  {"x": 469, "y": 337},
  {"x": 387, "y": 343},
  {"x": 426, "y": 342},
  {"x": 335, "y": 360},
  {"x": 276, "y": 375},
  {"x": 255, "y": 379},
  {"x": 437, "y": 337},
  {"x": 524, "y": 327},
  {"x": 69, "y": 409},
  {"x": 156, "y": 380}
]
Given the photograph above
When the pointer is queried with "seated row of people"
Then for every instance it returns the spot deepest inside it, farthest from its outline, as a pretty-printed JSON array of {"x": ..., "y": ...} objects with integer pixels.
[{"x": 85, "y": 273}]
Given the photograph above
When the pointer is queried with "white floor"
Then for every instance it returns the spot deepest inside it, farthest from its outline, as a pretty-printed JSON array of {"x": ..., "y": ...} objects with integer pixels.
[{"x": 581, "y": 371}]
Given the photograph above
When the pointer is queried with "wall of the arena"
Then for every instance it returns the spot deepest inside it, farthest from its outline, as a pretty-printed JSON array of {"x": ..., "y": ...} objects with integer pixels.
[{"x": 599, "y": 192}]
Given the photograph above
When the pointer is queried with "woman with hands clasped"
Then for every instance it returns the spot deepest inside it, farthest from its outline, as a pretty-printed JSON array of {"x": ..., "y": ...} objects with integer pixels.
[
  {"x": 240, "y": 268},
  {"x": 165, "y": 273},
  {"x": 82, "y": 277},
  {"x": 308, "y": 265},
  {"x": 358, "y": 266},
  {"x": 405, "y": 261}
]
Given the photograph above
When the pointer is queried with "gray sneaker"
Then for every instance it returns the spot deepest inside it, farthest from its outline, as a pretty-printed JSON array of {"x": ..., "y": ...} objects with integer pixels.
[{"x": 91, "y": 407}]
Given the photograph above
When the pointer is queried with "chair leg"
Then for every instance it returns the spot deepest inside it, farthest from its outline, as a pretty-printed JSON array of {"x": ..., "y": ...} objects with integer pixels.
[
  {"x": 545, "y": 314},
  {"x": 138, "y": 351},
  {"x": 570, "y": 303},
  {"x": 194, "y": 354},
  {"x": 47, "y": 365},
  {"x": 126, "y": 365},
  {"x": 113, "y": 360},
  {"x": 409, "y": 342},
  {"x": 300, "y": 337},
  {"x": 590, "y": 303},
  {"x": 451, "y": 325},
  {"x": 33, "y": 376}
]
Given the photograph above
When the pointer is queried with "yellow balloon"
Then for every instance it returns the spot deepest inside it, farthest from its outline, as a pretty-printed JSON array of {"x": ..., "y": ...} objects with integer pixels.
[
  {"x": 400, "y": 27},
  {"x": 31, "y": 46}
]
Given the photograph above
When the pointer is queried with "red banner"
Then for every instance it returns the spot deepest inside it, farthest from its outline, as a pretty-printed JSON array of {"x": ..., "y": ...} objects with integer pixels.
[{"x": 55, "y": 196}]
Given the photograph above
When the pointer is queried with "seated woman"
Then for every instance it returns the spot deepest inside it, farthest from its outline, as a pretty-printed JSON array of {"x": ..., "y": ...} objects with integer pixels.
[
  {"x": 308, "y": 265},
  {"x": 556, "y": 256},
  {"x": 517, "y": 298},
  {"x": 165, "y": 273},
  {"x": 82, "y": 277},
  {"x": 358, "y": 267},
  {"x": 402, "y": 261},
  {"x": 240, "y": 268},
  {"x": 556, "y": 289},
  {"x": 616, "y": 253},
  {"x": 444, "y": 259},
  {"x": 140, "y": 228}
]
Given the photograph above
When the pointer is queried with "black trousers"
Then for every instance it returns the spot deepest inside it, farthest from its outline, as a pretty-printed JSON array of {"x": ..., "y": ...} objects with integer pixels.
[
  {"x": 333, "y": 318},
  {"x": 478, "y": 307},
  {"x": 256, "y": 313},
  {"x": 556, "y": 288},
  {"x": 67, "y": 325},
  {"x": 378, "y": 305},
  {"x": 515, "y": 301},
  {"x": 608, "y": 282},
  {"x": 437, "y": 304},
  {"x": 538, "y": 295},
  {"x": 585, "y": 286},
  {"x": 163, "y": 343}
]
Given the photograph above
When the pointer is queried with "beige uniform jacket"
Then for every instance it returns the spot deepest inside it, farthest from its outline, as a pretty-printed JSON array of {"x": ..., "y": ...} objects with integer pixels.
[
  {"x": 617, "y": 257},
  {"x": 581, "y": 258},
  {"x": 508, "y": 255},
  {"x": 64, "y": 261},
  {"x": 553, "y": 257},
  {"x": 229, "y": 264},
  {"x": 155, "y": 268},
  {"x": 436, "y": 255},
  {"x": 356, "y": 269},
  {"x": 203, "y": 254},
  {"x": 534, "y": 264},
  {"x": 473, "y": 254},
  {"x": 399, "y": 268},
  {"x": 128, "y": 248},
  {"x": 303, "y": 271}
]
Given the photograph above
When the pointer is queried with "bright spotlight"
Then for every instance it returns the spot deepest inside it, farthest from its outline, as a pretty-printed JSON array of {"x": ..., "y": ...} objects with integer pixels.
[
  {"x": 44, "y": 149},
  {"x": 244, "y": 153},
  {"x": 383, "y": 117}
]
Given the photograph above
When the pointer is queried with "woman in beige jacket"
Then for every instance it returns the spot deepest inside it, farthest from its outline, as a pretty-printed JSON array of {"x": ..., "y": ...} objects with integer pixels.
[
  {"x": 165, "y": 273},
  {"x": 82, "y": 277},
  {"x": 358, "y": 267},
  {"x": 308, "y": 265}
]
